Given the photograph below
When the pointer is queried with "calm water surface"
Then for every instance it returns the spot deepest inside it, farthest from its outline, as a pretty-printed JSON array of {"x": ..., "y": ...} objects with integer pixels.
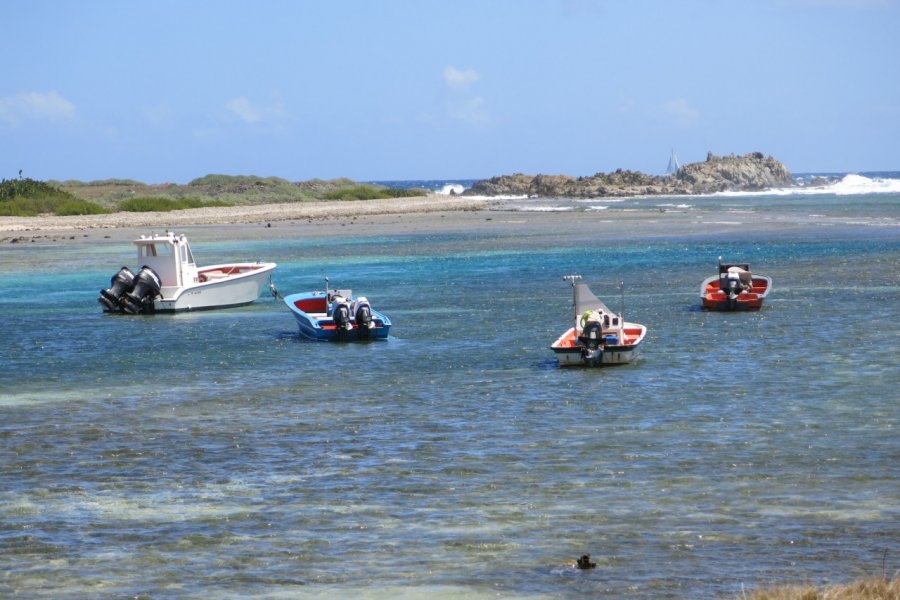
[{"x": 216, "y": 454}]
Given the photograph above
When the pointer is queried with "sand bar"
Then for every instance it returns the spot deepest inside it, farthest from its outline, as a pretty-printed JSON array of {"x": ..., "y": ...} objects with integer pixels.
[
  {"x": 479, "y": 218},
  {"x": 260, "y": 213}
]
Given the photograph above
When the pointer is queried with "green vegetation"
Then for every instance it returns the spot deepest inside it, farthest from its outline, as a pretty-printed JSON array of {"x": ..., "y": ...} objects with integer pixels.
[
  {"x": 366, "y": 191},
  {"x": 29, "y": 198},
  {"x": 161, "y": 204},
  {"x": 111, "y": 195},
  {"x": 876, "y": 588},
  {"x": 97, "y": 182},
  {"x": 237, "y": 181}
]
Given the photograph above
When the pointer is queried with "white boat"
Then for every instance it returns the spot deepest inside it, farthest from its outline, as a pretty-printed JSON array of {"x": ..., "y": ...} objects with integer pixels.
[
  {"x": 169, "y": 280},
  {"x": 599, "y": 336}
]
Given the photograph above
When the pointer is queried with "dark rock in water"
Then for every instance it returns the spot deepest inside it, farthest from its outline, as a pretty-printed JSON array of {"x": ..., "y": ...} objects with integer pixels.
[
  {"x": 820, "y": 181},
  {"x": 751, "y": 172},
  {"x": 584, "y": 562}
]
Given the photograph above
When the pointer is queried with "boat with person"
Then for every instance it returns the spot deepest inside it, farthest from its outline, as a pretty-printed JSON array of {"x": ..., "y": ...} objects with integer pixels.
[
  {"x": 598, "y": 336},
  {"x": 336, "y": 315},
  {"x": 169, "y": 280},
  {"x": 734, "y": 287}
]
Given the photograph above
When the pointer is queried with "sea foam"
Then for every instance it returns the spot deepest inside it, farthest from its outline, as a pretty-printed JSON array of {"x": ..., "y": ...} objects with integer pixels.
[
  {"x": 452, "y": 188},
  {"x": 851, "y": 184}
]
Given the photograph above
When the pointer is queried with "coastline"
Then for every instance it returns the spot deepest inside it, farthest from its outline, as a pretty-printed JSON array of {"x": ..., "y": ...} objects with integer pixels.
[
  {"x": 245, "y": 214},
  {"x": 704, "y": 218}
]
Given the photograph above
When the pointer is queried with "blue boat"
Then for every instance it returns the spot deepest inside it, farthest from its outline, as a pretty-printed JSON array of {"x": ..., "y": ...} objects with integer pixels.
[{"x": 336, "y": 315}]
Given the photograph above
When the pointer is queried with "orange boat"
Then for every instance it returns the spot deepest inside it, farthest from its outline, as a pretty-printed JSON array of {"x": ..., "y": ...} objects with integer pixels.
[
  {"x": 734, "y": 288},
  {"x": 598, "y": 336}
]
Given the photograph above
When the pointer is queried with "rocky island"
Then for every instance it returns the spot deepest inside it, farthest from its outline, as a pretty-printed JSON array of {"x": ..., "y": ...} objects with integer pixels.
[{"x": 751, "y": 172}]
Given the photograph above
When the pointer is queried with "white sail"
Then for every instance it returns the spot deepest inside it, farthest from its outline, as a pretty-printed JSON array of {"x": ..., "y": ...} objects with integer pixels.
[
  {"x": 674, "y": 165},
  {"x": 586, "y": 300}
]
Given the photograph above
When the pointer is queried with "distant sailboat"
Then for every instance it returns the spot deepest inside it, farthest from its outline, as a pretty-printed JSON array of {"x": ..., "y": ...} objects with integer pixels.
[{"x": 674, "y": 165}]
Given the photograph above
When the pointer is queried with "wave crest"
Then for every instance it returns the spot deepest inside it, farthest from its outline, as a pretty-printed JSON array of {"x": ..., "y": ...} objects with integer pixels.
[
  {"x": 851, "y": 184},
  {"x": 452, "y": 188}
]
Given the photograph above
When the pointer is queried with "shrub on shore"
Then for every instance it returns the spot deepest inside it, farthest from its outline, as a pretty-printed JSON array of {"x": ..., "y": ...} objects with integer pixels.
[
  {"x": 98, "y": 182},
  {"x": 366, "y": 191},
  {"x": 211, "y": 190},
  {"x": 30, "y": 198},
  {"x": 238, "y": 181},
  {"x": 162, "y": 204}
]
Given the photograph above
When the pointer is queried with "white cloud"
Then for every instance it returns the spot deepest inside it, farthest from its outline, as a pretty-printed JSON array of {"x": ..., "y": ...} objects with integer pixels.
[
  {"x": 472, "y": 111},
  {"x": 460, "y": 79},
  {"x": 461, "y": 104},
  {"x": 256, "y": 113},
  {"x": 244, "y": 110},
  {"x": 679, "y": 112},
  {"x": 35, "y": 106}
]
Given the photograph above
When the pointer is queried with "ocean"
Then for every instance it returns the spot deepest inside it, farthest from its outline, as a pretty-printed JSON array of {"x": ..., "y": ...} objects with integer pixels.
[{"x": 216, "y": 454}]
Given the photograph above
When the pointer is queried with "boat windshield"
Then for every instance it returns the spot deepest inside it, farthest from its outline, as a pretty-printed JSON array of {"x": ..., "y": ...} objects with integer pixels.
[
  {"x": 150, "y": 250},
  {"x": 186, "y": 256}
]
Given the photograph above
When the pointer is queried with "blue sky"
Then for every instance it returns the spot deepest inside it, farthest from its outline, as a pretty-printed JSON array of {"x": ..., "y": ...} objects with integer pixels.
[{"x": 167, "y": 91}]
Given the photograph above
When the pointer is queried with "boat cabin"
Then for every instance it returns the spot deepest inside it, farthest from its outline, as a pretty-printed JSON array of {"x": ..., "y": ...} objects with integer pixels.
[{"x": 170, "y": 256}]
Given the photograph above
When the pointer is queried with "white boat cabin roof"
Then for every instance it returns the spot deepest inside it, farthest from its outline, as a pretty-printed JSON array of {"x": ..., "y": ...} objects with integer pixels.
[{"x": 169, "y": 255}]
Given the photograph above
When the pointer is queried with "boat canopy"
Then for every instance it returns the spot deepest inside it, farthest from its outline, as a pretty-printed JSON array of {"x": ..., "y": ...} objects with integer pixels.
[{"x": 586, "y": 300}]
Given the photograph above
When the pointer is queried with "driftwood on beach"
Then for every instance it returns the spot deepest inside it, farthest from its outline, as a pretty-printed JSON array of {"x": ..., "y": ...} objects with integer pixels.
[{"x": 751, "y": 172}]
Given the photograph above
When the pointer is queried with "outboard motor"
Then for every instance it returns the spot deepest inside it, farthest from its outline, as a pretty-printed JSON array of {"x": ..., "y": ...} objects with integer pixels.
[
  {"x": 146, "y": 287},
  {"x": 120, "y": 283},
  {"x": 592, "y": 350},
  {"x": 341, "y": 314},
  {"x": 730, "y": 283},
  {"x": 363, "y": 316}
]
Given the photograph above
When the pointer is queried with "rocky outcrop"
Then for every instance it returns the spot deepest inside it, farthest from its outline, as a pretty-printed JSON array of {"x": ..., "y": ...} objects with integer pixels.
[{"x": 751, "y": 172}]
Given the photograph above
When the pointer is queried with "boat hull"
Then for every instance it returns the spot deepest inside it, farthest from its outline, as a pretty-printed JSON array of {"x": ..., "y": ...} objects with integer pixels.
[
  {"x": 713, "y": 298},
  {"x": 220, "y": 286},
  {"x": 571, "y": 352},
  {"x": 310, "y": 312}
]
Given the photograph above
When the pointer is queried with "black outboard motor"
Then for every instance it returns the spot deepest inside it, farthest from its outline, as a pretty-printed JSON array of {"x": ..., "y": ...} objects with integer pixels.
[
  {"x": 120, "y": 283},
  {"x": 591, "y": 351},
  {"x": 146, "y": 287},
  {"x": 341, "y": 315},
  {"x": 733, "y": 282},
  {"x": 364, "y": 322},
  {"x": 730, "y": 283},
  {"x": 363, "y": 318}
]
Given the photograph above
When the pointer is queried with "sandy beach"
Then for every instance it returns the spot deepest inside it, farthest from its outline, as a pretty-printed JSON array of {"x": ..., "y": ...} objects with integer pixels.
[
  {"x": 528, "y": 221},
  {"x": 261, "y": 213}
]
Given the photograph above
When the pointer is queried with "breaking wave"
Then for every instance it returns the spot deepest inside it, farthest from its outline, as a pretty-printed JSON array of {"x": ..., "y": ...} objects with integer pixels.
[
  {"x": 451, "y": 188},
  {"x": 851, "y": 184}
]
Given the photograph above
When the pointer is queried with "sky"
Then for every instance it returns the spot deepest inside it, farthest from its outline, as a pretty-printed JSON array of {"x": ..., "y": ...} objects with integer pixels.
[{"x": 172, "y": 90}]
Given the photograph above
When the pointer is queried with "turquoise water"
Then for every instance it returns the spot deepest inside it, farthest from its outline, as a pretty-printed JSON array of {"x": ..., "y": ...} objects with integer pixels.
[{"x": 217, "y": 454}]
